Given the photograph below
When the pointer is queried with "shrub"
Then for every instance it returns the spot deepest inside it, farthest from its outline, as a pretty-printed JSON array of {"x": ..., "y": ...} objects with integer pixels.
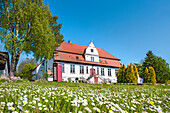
[{"x": 168, "y": 82}]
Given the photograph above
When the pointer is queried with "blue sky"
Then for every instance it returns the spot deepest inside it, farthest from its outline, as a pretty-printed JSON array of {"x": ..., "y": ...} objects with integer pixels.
[{"x": 125, "y": 28}]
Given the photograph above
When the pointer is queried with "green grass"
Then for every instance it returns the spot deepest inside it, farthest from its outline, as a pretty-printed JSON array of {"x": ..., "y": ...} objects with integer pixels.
[{"x": 63, "y": 97}]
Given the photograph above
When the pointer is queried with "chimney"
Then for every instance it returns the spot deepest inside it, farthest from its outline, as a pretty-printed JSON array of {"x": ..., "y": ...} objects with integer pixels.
[{"x": 70, "y": 41}]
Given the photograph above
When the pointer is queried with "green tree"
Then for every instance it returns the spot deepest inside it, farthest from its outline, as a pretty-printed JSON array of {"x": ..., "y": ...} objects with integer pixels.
[
  {"x": 130, "y": 77},
  {"x": 135, "y": 73},
  {"x": 27, "y": 71},
  {"x": 27, "y": 25},
  {"x": 146, "y": 74},
  {"x": 24, "y": 62},
  {"x": 161, "y": 67},
  {"x": 162, "y": 70},
  {"x": 149, "y": 60},
  {"x": 121, "y": 74},
  {"x": 152, "y": 75}
]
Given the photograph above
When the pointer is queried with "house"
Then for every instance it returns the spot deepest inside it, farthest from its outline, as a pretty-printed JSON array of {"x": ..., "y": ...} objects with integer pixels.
[
  {"x": 140, "y": 80},
  {"x": 39, "y": 70},
  {"x": 73, "y": 62},
  {"x": 4, "y": 64}
]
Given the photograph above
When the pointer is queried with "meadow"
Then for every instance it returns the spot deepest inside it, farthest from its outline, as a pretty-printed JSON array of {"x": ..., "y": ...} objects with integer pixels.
[{"x": 39, "y": 97}]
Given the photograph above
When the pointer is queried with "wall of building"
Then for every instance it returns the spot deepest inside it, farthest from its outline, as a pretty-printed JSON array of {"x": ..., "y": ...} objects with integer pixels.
[
  {"x": 38, "y": 73},
  {"x": 88, "y": 58},
  {"x": 66, "y": 74},
  {"x": 4, "y": 73}
]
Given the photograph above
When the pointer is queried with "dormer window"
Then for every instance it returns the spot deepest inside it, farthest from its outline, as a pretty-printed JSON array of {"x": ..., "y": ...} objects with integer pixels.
[
  {"x": 92, "y": 59},
  {"x": 77, "y": 57},
  {"x": 100, "y": 60},
  {"x": 91, "y": 50}
]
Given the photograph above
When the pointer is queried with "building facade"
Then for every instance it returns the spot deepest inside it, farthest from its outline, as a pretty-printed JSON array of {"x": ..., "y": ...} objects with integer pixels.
[{"x": 74, "y": 62}]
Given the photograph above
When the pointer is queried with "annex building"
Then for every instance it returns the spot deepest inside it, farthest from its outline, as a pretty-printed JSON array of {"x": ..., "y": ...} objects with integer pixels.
[{"x": 73, "y": 62}]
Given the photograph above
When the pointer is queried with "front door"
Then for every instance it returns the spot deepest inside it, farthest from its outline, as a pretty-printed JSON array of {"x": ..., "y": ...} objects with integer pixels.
[
  {"x": 92, "y": 72},
  {"x": 96, "y": 80}
]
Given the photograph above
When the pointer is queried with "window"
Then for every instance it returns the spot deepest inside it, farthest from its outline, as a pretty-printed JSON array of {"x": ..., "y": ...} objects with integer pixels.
[
  {"x": 72, "y": 68},
  {"x": 102, "y": 71},
  {"x": 81, "y": 69},
  {"x": 100, "y": 60},
  {"x": 92, "y": 59},
  {"x": 91, "y": 50},
  {"x": 63, "y": 68},
  {"x": 97, "y": 70},
  {"x": 87, "y": 70},
  {"x": 105, "y": 61},
  {"x": 116, "y": 70},
  {"x": 109, "y": 72}
]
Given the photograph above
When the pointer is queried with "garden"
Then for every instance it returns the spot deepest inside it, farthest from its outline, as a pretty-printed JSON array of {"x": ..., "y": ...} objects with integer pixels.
[{"x": 63, "y": 97}]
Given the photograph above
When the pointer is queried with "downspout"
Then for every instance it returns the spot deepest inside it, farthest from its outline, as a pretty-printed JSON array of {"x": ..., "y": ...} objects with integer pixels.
[{"x": 46, "y": 66}]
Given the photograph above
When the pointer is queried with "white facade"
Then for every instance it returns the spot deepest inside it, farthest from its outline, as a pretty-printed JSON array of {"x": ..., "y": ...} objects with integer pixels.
[{"x": 67, "y": 72}]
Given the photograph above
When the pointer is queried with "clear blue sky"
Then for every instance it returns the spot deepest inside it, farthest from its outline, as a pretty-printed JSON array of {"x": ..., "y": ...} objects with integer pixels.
[{"x": 125, "y": 28}]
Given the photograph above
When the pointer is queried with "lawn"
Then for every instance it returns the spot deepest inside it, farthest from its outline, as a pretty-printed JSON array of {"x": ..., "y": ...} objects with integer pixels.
[{"x": 82, "y": 98}]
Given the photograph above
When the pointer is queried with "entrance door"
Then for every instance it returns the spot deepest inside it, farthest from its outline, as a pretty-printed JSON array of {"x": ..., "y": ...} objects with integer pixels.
[
  {"x": 92, "y": 72},
  {"x": 96, "y": 80}
]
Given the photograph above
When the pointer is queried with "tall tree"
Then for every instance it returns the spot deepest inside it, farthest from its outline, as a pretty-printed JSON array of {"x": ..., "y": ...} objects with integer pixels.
[
  {"x": 149, "y": 60},
  {"x": 162, "y": 70},
  {"x": 152, "y": 75},
  {"x": 161, "y": 67},
  {"x": 135, "y": 73},
  {"x": 145, "y": 77},
  {"x": 130, "y": 74},
  {"x": 121, "y": 74},
  {"x": 27, "y": 25}
]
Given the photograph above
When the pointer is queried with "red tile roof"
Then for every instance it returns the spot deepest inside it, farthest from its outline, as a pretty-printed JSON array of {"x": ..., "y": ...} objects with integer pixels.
[
  {"x": 69, "y": 52},
  {"x": 80, "y": 49}
]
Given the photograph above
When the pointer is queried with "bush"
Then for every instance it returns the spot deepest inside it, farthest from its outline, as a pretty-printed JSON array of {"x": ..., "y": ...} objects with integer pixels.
[
  {"x": 4, "y": 79},
  {"x": 168, "y": 82},
  {"x": 69, "y": 79}
]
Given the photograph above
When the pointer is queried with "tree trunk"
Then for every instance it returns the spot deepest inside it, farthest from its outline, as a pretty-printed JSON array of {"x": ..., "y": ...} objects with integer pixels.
[
  {"x": 12, "y": 68},
  {"x": 16, "y": 61}
]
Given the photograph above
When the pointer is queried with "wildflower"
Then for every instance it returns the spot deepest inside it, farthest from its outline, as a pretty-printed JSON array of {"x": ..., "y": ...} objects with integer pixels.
[
  {"x": 39, "y": 104},
  {"x": 165, "y": 89},
  {"x": 9, "y": 104},
  {"x": 26, "y": 111},
  {"x": 151, "y": 102},
  {"x": 15, "y": 112},
  {"x": 46, "y": 100},
  {"x": 3, "y": 103},
  {"x": 25, "y": 102},
  {"x": 45, "y": 108}
]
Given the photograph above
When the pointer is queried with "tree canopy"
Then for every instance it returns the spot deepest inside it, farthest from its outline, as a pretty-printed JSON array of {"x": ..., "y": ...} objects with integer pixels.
[{"x": 28, "y": 25}]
